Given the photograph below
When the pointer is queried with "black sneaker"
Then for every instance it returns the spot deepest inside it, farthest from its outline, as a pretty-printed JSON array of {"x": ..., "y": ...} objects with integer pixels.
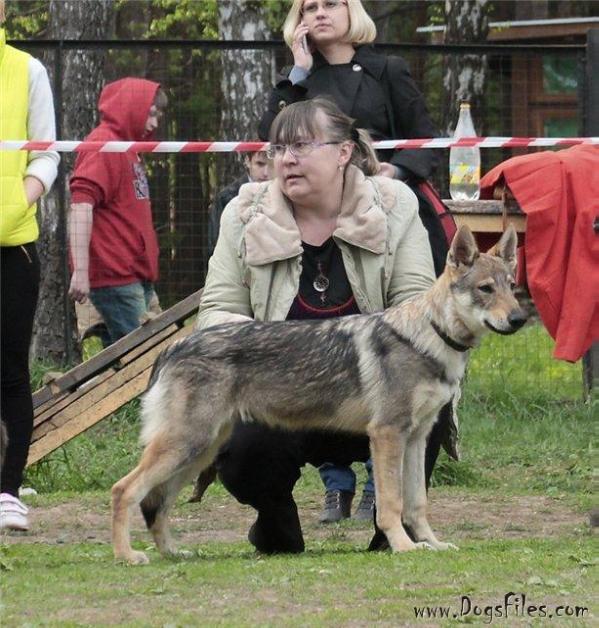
[
  {"x": 337, "y": 506},
  {"x": 365, "y": 509}
]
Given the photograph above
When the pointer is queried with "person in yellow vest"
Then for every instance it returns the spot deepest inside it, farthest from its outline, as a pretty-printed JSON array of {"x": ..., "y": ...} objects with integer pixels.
[{"x": 26, "y": 112}]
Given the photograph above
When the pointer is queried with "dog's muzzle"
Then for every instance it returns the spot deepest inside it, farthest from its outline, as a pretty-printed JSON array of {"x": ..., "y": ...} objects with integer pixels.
[{"x": 515, "y": 319}]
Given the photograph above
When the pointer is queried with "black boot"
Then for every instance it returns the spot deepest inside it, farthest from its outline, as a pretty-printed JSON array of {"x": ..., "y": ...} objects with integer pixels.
[{"x": 337, "y": 506}]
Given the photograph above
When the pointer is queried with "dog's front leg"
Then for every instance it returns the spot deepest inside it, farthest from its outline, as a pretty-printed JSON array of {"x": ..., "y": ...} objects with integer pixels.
[
  {"x": 414, "y": 492},
  {"x": 387, "y": 446}
]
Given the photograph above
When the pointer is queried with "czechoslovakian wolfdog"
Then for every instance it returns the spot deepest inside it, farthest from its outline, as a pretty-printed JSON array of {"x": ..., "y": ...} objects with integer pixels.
[{"x": 386, "y": 375}]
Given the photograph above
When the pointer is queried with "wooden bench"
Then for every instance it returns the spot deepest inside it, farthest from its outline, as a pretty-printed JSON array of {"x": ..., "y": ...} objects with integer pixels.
[{"x": 77, "y": 400}]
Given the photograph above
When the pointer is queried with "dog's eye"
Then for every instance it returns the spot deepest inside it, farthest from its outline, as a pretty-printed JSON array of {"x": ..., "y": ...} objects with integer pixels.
[
  {"x": 512, "y": 285},
  {"x": 487, "y": 288}
]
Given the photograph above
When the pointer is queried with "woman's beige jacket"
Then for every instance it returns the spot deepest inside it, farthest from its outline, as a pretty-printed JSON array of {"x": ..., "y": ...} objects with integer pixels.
[{"x": 255, "y": 269}]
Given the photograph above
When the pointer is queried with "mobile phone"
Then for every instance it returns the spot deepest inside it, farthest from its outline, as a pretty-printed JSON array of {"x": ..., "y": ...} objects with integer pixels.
[{"x": 305, "y": 44}]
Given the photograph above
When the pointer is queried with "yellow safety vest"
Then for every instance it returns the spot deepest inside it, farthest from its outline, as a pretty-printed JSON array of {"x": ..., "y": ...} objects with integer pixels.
[{"x": 17, "y": 220}]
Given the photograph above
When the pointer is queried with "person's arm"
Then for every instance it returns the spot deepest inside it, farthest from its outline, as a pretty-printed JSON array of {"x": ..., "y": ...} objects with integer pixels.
[
  {"x": 412, "y": 120},
  {"x": 42, "y": 166},
  {"x": 284, "y": 93},
  {"x": 80, "y": 231},
  {"x": 226, "y": 297},
  {"x": 413, "y": 270}
]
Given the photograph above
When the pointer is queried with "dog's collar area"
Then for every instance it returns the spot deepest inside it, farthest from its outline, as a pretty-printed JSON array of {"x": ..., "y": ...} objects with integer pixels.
[{"x": 450, "y": 342}]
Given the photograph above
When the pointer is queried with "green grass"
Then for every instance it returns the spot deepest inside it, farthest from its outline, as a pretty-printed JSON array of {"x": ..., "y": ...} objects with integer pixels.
[
  {"x": 334, "y": 583},
  {"x": 525, "y": 434}
]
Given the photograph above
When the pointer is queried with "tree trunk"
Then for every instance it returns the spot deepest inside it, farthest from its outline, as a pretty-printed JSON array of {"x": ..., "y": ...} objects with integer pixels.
[
  {"x": 247, "y": 75},
  {"x": 464, "y": 76},
  {"x": 77, "y": 78}
]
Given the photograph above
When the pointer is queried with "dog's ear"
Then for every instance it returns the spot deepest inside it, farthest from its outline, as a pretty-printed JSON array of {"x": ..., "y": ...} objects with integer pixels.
[
  {"x": 506, "y": 248},
  {"x": 463, "y": 248}
]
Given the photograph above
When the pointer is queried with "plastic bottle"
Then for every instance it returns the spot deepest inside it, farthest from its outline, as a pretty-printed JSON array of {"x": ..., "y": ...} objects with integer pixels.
[{"x": 464, "y": 162}]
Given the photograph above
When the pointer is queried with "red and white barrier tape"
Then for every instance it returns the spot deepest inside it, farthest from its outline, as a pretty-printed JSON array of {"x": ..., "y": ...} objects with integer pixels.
[{"x": 241, "y": 147}]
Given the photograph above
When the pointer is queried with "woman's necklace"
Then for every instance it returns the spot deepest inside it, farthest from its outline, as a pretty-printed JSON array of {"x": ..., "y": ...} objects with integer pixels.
[{"x": 321, "y": 283}]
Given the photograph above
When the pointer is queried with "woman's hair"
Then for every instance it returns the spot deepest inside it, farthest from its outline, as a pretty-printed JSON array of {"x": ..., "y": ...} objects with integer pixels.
[
  {"x": 361, "y": 27},
  {"x": 2, "y": 12},
  {"x": 300, "y": 121}
]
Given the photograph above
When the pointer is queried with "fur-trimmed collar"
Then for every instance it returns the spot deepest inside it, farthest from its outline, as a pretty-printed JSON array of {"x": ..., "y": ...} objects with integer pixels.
[{"x": 271, "y": 233}]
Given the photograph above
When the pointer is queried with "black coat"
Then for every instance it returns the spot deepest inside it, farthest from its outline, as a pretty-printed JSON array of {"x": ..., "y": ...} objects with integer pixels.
[
  {"x": 221, "y": 200},
  {"x": 378, "y": 91}
]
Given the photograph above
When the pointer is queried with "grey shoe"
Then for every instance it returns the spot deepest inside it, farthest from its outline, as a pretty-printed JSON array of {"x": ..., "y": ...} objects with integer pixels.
[
  {"x": 365, "y": 509},
  {"x": 337, "y": 506}
]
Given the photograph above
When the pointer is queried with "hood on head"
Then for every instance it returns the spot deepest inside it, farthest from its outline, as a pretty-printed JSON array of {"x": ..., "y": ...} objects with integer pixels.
[{"x": 125, "y": 104}]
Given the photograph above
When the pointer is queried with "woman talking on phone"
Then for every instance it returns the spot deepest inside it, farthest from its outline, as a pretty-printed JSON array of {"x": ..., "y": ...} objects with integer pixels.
[{"x": 330, "y": 41}]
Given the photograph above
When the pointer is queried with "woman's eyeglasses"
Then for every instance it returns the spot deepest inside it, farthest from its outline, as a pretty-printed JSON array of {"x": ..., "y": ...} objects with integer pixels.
[
  {"x": 311, "y": 8},
  {"x": 297, "y": 149}
]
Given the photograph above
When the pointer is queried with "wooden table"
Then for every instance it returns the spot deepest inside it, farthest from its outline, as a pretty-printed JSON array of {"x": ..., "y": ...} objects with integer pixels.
[{"x": 487, "y": 216}]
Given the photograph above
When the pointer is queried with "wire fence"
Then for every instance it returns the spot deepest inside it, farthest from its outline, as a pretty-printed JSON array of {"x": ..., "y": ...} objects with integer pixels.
[{"x": 529, "y": 91}]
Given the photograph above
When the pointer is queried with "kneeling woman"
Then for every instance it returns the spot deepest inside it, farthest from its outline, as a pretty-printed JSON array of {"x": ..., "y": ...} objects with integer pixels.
[{"x": 324, "y": 238}]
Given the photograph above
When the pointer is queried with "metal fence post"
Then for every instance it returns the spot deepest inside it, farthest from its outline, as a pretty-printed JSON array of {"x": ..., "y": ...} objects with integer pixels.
[{"x": 590, "y": 361}]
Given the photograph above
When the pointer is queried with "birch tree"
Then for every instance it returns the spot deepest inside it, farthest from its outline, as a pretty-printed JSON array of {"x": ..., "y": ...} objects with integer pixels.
[
  {"x": 247, "y": 76},
  {"x": 464, "y": 76},
  {"x": 76, "y": 93}
]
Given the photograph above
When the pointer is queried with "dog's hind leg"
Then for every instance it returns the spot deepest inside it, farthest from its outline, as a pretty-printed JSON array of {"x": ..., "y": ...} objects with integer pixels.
[
  {"x": 387, "y": 445},
  {"x": 157, "y": 503},
  {"x": 158, "y": 463},
  {"x": 414, "y": 492}
]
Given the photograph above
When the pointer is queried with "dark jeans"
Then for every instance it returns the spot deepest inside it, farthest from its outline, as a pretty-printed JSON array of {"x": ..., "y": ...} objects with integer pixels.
[
  {"x": 122, "y": 307},
  {"x": 259, "y": 466},
  {"x": 19, "y": 285}
]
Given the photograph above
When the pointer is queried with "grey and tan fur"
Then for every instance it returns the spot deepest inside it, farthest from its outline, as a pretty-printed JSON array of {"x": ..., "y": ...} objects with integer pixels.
[{"x": 385, "y": 374}]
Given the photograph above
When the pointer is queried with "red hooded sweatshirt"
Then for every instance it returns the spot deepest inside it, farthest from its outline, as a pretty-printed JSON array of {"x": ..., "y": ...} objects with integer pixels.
[{"x": 123, "y": 247}]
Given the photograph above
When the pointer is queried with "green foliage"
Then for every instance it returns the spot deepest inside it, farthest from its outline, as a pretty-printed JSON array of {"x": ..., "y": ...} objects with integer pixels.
[
  {"x": 26, "y": 20},
  {"x": 187, "y": 19},
  {"x": 275, "y": 12}
]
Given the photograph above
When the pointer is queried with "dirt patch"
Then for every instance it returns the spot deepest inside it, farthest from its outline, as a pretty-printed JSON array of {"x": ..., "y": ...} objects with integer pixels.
[{"x": 454, "y": 516}]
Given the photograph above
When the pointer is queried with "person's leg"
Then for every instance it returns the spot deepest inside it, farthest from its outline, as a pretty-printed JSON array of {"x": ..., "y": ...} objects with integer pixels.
[
  {"x": 121, "y": 307},
  {"x": 340, "y": 486},
  {"x": 337, "y": 477},
  {"x": 365, "y": 509},
  {"x": 19, "y": 282},
  {"x": 259, "y": 466},
  {"x": 369, "y": 486}
]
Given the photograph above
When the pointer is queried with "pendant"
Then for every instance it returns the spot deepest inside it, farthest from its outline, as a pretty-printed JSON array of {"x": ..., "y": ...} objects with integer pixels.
[{"x": 321, "y": 283}]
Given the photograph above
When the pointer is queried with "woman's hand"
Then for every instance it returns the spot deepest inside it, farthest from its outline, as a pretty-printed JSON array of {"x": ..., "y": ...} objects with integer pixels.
[
  {"x": 387, "y": 170},
  {"x": 33, "y": 189},
  {"x": 302, "y": 57}
]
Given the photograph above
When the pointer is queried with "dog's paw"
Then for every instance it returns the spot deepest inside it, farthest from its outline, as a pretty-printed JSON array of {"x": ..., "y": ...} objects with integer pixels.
[
  {"x": 438, "y": 546},
  {"x": 446, "y": 546},
  {"x": 179, "y": 554},
  {"x": 136, "y": 558}
]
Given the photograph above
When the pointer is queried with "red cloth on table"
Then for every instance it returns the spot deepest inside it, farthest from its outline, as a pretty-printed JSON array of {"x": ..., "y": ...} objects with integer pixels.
[{"x": 559, "y": 193}]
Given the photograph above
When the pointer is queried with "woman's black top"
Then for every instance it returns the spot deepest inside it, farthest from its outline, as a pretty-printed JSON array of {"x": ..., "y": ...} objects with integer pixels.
[{"x": 324, "y": 289}]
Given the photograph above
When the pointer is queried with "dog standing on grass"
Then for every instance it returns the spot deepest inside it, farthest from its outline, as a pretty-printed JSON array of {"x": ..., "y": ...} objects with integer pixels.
[{"x": 386, "y": 374}]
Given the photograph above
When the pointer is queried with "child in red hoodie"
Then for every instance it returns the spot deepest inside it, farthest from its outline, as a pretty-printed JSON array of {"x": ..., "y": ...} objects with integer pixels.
[{"x": 113, "y": 244}]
